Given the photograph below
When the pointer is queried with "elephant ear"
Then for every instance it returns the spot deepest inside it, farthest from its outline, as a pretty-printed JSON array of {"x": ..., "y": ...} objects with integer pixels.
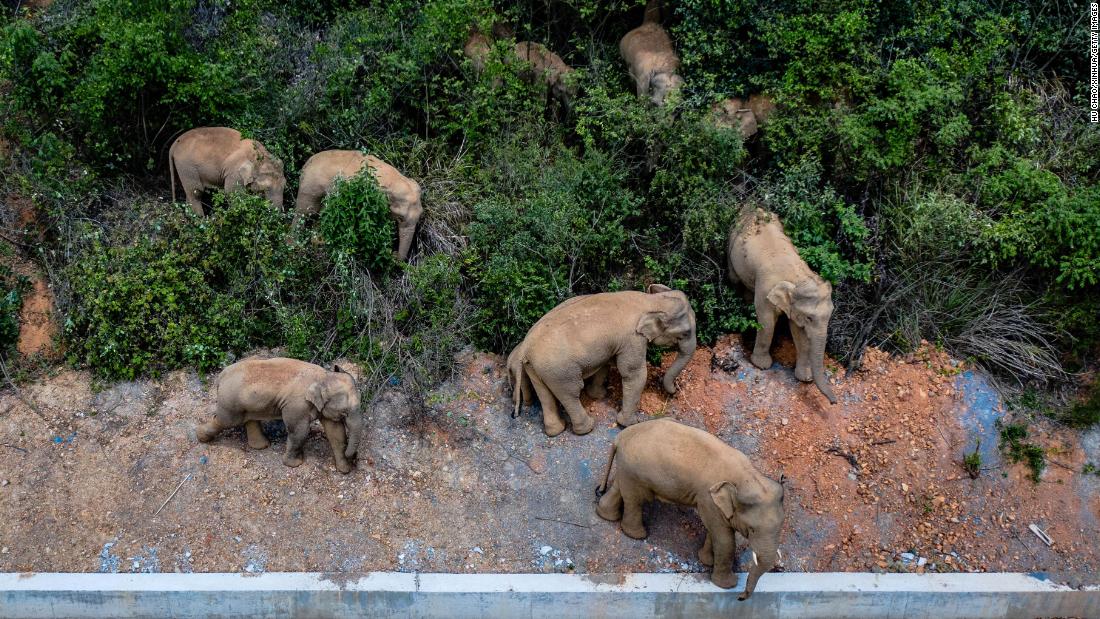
[
  {"x": 243, "y": 173},
  {"x": 722, "y": 493},
  {"x": 651, "y": 325},
  {"x": 656, "y": 288},
  {"x": 317, "y": 395},
  {"x": 780, "y": 296}
]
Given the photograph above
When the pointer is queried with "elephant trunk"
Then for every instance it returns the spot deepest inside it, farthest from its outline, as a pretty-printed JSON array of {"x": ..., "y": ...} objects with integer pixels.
[
  {"x": 353, "y": 423},
  {"x": 687, "y": 350},
  {"x": 764, "y": 559},
  {"x": 404, "y": 239},
  {"x": 275, "y": 196},
  {"x": 817, "y": 352}
]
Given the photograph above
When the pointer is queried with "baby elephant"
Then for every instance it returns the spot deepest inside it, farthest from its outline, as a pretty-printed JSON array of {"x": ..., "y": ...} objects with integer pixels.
[
  {"x": 218, "y": 157},
  {"x": 402, "y": 192},
  {"x": 570, "y": 348},
  {"x": 653, "y": 63},
  {"x": 665, "y": 460},
  {"x": 253, "y": 390}
]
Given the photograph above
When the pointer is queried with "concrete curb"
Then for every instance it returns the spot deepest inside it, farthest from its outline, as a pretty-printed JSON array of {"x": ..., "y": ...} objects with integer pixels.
[{"x": 633, "y": 596}]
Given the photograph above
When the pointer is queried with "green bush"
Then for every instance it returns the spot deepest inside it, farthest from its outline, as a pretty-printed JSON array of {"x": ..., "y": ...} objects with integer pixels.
[
  {"x": 12, "y": 288},
  {"x": 356, "y": 220}
]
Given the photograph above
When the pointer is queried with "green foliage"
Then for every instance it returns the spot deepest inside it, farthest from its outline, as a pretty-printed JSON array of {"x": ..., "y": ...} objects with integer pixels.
[
  {"x": 972, "y": 462},
  {"x": 1084, "y": 413},
  {"x": 356, "y": 220},
  {"x": 12, "y": 288},
  {"x": 1014, "y": 444}
]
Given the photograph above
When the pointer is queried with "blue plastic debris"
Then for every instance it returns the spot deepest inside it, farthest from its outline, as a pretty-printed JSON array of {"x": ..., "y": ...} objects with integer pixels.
[{"x": 203, "y": 460}]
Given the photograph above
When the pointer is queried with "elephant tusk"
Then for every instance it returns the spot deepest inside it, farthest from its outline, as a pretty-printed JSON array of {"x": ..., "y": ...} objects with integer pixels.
[
  {"x": 754, "y": 561},
  {"x": 780, "y": 553}
]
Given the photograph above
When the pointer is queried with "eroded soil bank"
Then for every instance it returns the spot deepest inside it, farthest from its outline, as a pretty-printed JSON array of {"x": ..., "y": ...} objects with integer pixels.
[{"x": 874, "y": 483}]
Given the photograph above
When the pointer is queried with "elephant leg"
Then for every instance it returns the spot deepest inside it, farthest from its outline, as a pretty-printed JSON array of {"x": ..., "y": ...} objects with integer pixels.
[
  {"x": 552, "y": 423},
  {"x": 706, "y": 553},
  {"x": 633, "y": 500},
  {"x": 192, "y": 191},
  {"x": 632, "y": 367},
  {"x": 222, "y": 420},
  {"x": 722, "y": 545},
  {"x": 338, "y": 439},
  {"x": 296, "y": 434},
  {"x": 255, "y": 434},
  {"x": 595, "y": 386},
  {"x": 803, "y": 371},
  {"x": 761, "y": 353},
  {"x": 569, "y": 393},
  {"x": 610, "y": 506},
  {"x": 405, "y": 232}
]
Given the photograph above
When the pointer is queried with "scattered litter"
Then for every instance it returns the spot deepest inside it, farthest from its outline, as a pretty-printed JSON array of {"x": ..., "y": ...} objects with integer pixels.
[
  {"x": 1041, "y": 534},
  {"x": 203, "y": 460},
  {"x": 255, "y": 559},
  {"x": 108, "y": 562},
  {"x": 172, "y": 495}
]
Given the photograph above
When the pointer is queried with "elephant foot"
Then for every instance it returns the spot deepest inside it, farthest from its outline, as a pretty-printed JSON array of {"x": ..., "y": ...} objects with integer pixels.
[
  {"x": 259, "y": 442},
  {"x": 724, "y": 578},
  {"x": 343, "y": 467},
  {"x": 627, "y": 420},
  {"x": 637, "y": 532},
  {"x": 293, "y": 461},
  {"x": 596, "y": 392},
  {"x": 706, "y": 556},
  {"x": 583, "y": 426},
  {"x": 761, "y": 361},
  {"x": 803, "y": 373},
  {"x": 205, "y": 433},
  {"x": 669, "y": 385},
  {"x": 610, "y": 511},
  {"x": 553, "y": 428}
]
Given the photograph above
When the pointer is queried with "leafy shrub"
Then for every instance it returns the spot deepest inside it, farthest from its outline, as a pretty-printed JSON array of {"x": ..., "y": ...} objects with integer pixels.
[
  {"x": 1014, "y": 444},
  {"x": 12, "y": 288},
  {"x": 356, "y": 220}
]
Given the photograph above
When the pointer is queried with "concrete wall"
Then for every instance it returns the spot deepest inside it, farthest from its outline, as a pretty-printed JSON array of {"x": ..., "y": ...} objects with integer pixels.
[{"x": 633, "y": 596}]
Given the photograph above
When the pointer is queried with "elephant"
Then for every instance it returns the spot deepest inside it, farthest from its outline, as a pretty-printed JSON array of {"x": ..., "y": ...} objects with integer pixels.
[
  {"x": 735, "y": 113},
  {"x": 210, "y": 157},
  {"x": 549, "y": 68},
  {"x": 762, "y": 107},
  {"x": 571, "y": 347},
  {"x": 653, "y": 63},
  {"x": 403, "y": 193},
  {"x": 252, "y": 390},
  {"x": 762, "y": 257},
  {"x": 669, "y": 461}
]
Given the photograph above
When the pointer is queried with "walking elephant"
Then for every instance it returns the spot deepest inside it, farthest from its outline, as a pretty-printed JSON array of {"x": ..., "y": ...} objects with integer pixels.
[
  {"x": 403, "y": 193},
  {"x": 217, "y": 157},
  {"x": 665, "y": 460},
  {"x": 297, "y": 392},
  {"x": 570, "y": 348},
  {"x": 762, "y": 257}
]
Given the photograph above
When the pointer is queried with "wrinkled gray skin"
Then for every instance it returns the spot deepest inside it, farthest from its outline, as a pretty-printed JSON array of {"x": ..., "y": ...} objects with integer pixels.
[
  {"x": 217, "y": 157},
  {"x": 571, "y": 347},
  {"x": 762, "y": 257},
  {"x": 253, "y": 390},
  {"x": 665, "y": 460}
]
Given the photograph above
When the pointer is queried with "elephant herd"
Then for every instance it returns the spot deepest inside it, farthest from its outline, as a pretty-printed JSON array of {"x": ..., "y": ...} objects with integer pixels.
[{"x": 572, "y": 347}]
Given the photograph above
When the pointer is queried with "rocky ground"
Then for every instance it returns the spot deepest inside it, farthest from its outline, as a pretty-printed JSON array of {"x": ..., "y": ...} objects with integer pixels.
[{"x": 111, "y": 478}]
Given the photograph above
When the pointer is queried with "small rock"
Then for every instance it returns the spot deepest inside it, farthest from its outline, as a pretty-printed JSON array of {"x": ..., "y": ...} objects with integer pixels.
[
  {"x": 291, "y": 493},
  {"x": 921, "y": 561},
  {"x": 904, "y": 487},
  {"x": 4, "y": 550},
  {"x": 785, "y": 421},
  {"x": 908, "y": 557},
  {"x": 545, "y": 550},
  {"x": 4, "y": 482}
]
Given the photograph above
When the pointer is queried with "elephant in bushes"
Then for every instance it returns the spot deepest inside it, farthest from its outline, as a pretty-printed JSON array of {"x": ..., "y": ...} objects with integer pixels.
[
  {"x": 217, "y": 157},
  {"x": 297, "y": 392},
  {"x": 570, "y": 348},
  {"x": 675, "y": 463},
  {"x": 762, "y": 257},
  {"x": 652, "y": 62},
  {"x": 403, "y": 193}
]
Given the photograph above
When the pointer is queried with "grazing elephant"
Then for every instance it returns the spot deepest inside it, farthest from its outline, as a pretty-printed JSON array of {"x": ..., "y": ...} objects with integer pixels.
[
  {"x": 665, "y": 460},
  {"x": 477, "y": 49},
  {"x": 403, "y": 193},
  {"x": 575, "y": 342},
  {"x": 735, "y": 113},
  {"x": 762, "y": 107},
  {"x": 549, "y": 68},
  {"x": 653, "y": 63},
  {"x": 211, "y": 157},
  {"x": 762, "y": 257},
  {"x": 253, "y": 390}
]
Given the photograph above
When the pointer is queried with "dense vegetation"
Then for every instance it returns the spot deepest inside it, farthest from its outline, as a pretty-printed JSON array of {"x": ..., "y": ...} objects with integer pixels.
[{"x": 933, "y": 159}]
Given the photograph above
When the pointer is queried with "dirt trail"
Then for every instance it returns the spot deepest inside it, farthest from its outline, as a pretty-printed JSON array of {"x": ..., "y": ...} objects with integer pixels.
[{"x": 873, "y": 483}]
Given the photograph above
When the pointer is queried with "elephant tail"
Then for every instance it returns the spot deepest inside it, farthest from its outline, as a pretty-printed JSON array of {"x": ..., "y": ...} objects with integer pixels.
[{"x": 602, "y": 488}]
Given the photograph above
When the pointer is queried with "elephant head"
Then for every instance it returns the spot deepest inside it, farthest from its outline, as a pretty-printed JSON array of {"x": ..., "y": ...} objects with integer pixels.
[
  {"x": 809, "y": 305},
  {"x": 261, "y": 173},
  {"x": 336, "y": 397},
  {"x": 753, "y": 506},
  {"x": 662, "y": 85},
  {"x": 669, "y": 321}
]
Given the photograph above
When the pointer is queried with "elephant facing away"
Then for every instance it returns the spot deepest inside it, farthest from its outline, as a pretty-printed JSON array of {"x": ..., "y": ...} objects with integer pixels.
[
  {"x": 253, "y": 390},
  {"x": 547, "y": 67},
  {"x": 762, "y": 257},
  {"x": 665, "y": 460},
  {"x": 217, "y": 157},
  {"x": 571, "y": 347},
  {"x": 403, "y": 193},
  {"x": 653, "y": 63}
]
